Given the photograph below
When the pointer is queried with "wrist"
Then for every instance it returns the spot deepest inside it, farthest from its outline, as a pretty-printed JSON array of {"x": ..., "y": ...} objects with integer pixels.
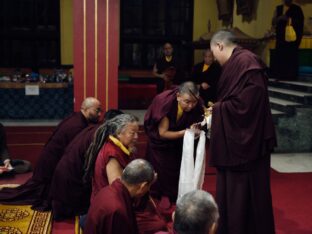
[{"x": 6, "y": 161}]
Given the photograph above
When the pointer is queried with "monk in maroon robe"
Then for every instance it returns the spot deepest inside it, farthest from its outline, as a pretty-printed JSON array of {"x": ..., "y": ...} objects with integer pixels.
[
  {"x": 165, "y": 122},
  {"x": 69, "y": 195},
  {"x": 109, "y": 154},
  {"x": 242, "y": 137},
  {"x": 36, "y": 190},
  {"x": 111, "y": 211}
]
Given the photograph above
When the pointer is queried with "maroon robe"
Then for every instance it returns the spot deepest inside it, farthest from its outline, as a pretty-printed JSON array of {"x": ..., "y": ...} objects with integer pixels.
[
  {"x": 165, "y": 155},
  {"x": 242, "y": 137},
  {"x": 148, "y": 219},
  {"x": 108, "y": 151},
  {"x": 36, "y": 190},
  {"x": 111, "y": 212},
  {"x": 210, "y": 76},
  {"x": 69, "y": 195}
]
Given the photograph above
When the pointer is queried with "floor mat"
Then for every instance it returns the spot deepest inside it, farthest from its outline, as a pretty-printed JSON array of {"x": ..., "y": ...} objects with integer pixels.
[{"x": 22, "y": 219}]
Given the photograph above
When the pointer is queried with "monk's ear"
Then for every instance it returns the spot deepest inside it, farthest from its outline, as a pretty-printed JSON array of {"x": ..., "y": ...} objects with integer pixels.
[
  {"x": 144, "y": 186},
  {"x": 220, "y": 46},
  {"x": 172, "y": 216},
  {"x": 178, "y": 96},
  {"x": 213, "y": 228}
]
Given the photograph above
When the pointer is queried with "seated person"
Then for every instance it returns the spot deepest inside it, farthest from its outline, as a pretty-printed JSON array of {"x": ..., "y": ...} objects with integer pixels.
[
  {"x": 109, "y": 153},
  {"x": 196, "y": 212},
  {"x": 35, "y": 191},
  {"x": 7, "y": 164},
  {"x": 206, "y": 74},
  {"x": 69, "y": 196},
  {"x": 117, "y": 215},
  {"x": 167, "y": 68}
]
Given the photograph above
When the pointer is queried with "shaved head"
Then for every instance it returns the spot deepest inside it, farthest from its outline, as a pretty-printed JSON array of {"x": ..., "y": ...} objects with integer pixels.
[
  {"x": 196, "y": 212},
  {"x": 138, "y": 171},
  {"x": 189, "y": 88},
  {"x": 91, "y": 109},
  {"x": 89, "y": 102}
]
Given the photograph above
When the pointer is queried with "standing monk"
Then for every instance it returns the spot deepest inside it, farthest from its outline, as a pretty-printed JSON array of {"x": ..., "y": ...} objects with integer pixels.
[
  {"x": 242, "y": 137},
  {"x": 167, "y": 68},
  {"x": 36, "y": 190},
  {"x": 165, "y": 122},
  {"x": 287, "y": 52},
  {"x": 206, "y": 74}
]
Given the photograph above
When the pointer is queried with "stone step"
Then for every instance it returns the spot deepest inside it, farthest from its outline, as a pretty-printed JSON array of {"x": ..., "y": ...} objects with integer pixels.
[
  {"x": 289, "y": 107},
  {"x": 276, "y": 114},
  {"x": 303, "y": 86},
  {"x": 291, "y": 95},
  {"x": 306, "y": 77}
]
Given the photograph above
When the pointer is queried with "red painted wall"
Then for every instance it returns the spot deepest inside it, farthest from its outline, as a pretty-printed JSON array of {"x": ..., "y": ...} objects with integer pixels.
[{"x": 96, "y": 44}]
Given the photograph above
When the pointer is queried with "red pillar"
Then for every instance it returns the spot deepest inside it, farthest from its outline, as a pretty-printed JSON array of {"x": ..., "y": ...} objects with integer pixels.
[{"x": 96, "y": 44}]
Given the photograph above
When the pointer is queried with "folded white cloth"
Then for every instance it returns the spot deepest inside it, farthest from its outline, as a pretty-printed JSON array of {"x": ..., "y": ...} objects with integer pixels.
[{"x": 192, "y": 171}]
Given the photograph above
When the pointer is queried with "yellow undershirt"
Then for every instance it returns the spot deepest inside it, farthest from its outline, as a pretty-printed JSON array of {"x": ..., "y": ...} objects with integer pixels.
[
  {"x": 168, "y": 58},
  {"x": 179, "y": 112},
  {"x": 205, "y": 67},
  {"x": 119, "y": 144}
]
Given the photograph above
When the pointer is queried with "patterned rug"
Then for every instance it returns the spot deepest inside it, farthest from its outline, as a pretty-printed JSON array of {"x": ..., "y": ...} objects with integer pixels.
[{"x": 15, "y": 219}]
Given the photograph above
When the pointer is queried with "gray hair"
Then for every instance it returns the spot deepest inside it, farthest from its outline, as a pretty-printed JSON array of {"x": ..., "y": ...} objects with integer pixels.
[
  {"x": 196, "y": 212},
  {"x": 189, "y": 88},
  {"x": 138, "y": 171},
  {"x": 225, "y": 36},
  {"x": 112, "y": 127}
]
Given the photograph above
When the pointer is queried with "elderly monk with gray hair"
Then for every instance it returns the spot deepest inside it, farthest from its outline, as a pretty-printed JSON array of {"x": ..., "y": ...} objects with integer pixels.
[
  {"x": 35, "y": 191},
  {"x": 196, "y": 212},
  {"x": 109, "y": 153}
]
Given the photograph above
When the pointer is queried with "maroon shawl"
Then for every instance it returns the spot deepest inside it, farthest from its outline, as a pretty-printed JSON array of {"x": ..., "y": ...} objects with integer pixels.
[{"x": 242, "y": 127}]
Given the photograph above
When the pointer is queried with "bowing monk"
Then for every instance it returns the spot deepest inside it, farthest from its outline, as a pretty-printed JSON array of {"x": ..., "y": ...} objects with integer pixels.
[
  {"x": 68, "y": 194},
  {"x": 109, "y": 153},
  {"x": 111, "y": 211},
  {"x": 165, "y": 122},
  {"x": 242, "y": 137},
  {"x": 36, "y": 190}
]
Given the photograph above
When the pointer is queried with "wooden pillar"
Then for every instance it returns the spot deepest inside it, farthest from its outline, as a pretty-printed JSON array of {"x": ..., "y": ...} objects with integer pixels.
[{"x": 96, "y": 44}]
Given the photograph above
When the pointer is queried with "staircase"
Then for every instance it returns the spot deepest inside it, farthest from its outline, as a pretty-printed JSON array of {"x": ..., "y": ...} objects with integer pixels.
[{"x": 291, "y": 105}]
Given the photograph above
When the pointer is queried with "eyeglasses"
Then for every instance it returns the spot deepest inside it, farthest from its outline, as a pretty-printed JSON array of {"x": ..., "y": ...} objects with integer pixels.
[{"x": 98, "y": 110}]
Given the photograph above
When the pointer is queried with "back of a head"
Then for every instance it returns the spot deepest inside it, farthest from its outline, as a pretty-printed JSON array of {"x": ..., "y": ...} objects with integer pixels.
[
  {"x": 189, "y": 88},
  {"x": 196, "y": 212},
  {"x": 223, "y": 36},
  {"x": 138, "y": 171},
  {"x": 111, "y": 113}
]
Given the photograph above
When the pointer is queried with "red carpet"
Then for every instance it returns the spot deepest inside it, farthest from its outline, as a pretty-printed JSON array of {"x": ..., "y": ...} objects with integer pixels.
[
  {"x": 292, "y": 202},
  {"x": 291, "y": 192}
]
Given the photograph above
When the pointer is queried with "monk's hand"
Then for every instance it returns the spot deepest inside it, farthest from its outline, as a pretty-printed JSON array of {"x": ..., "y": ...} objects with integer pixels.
[
  {"x": 204, "y": 85},
  {"x": 7, "y": 163},
  {"x": 196, "y": 127}
]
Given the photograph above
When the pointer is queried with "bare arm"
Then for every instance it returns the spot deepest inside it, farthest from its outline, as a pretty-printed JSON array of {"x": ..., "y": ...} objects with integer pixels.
[
  {"x": 113, "y": 170},
  {"x": 165, "y": 133}
]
